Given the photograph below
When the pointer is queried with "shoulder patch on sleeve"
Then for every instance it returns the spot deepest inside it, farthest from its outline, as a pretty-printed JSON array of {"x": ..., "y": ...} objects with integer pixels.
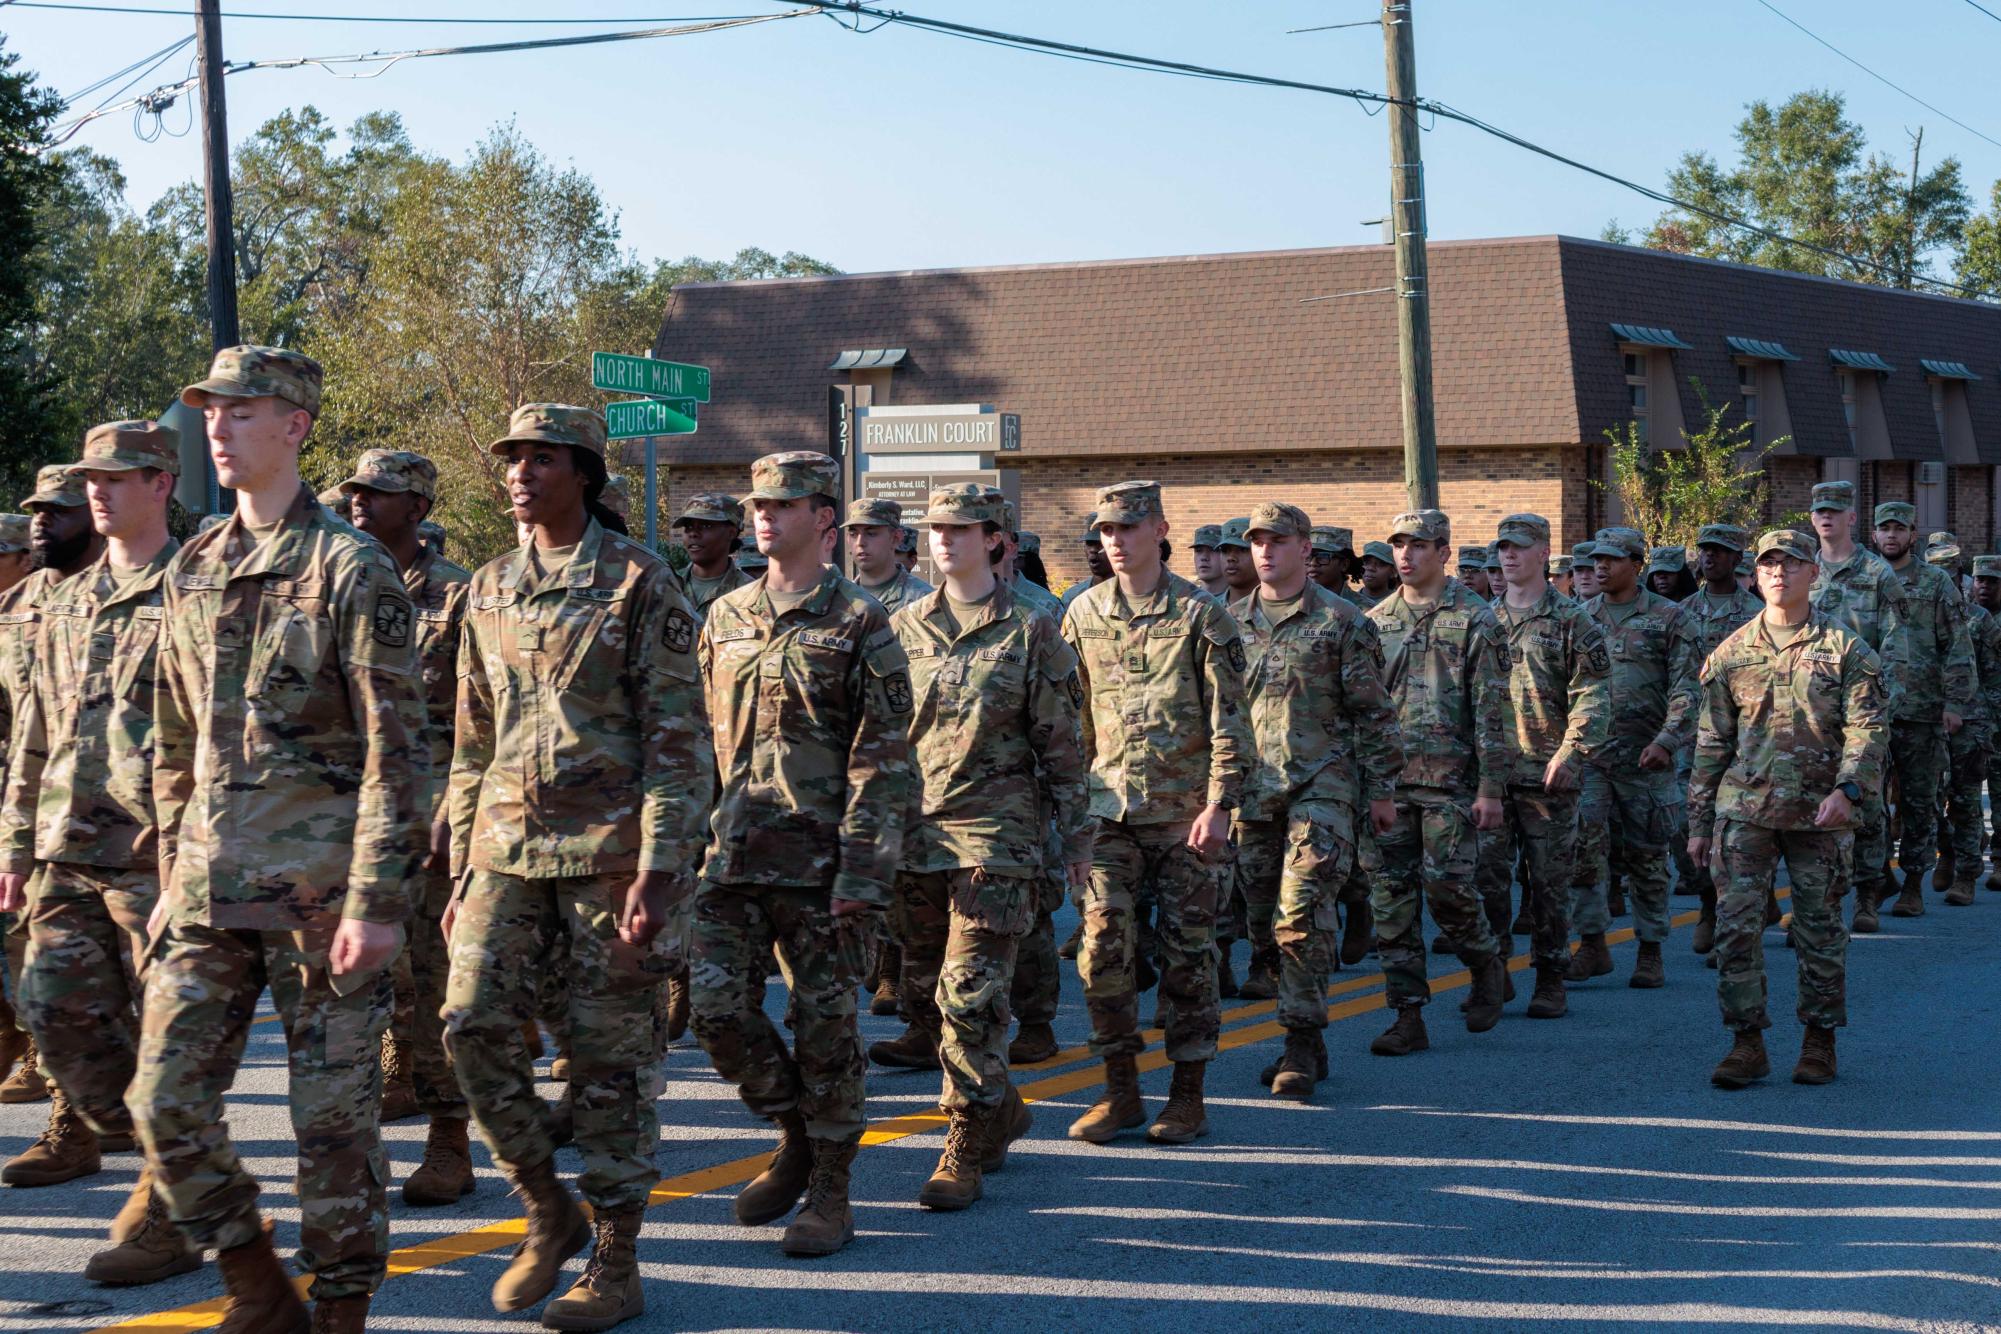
[
  {"x": 390, "y": 619},
  {"x": 678, "y": 634}
]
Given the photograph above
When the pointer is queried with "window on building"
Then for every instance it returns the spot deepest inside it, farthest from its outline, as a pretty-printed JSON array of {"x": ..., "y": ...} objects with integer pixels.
[
  {"x": 1848, "y": 410},
  {"x": 1636, "y": 392},
  {"x": 1747, "y": 386}
]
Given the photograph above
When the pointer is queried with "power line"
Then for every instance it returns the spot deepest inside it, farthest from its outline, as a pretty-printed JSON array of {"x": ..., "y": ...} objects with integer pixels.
[
  {"x": 1985, "y": 10},
  {"x": 150, "y": 63},
  {"x": 364, "y": 18},
  {"x": 1331, "y": 27},
  {"x": 1878, "y": 77}
]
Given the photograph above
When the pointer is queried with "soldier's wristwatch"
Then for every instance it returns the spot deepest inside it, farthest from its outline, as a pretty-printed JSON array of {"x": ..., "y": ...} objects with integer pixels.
[{"x": 1849, "y": 790}]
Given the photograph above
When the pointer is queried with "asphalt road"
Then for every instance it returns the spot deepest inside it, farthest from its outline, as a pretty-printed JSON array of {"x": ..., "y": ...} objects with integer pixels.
[{"x": 1579, "y": 1171}]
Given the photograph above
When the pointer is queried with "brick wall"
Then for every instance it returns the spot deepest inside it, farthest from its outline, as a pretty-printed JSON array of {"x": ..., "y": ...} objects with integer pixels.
[
  {"x": 1789, "y": 483},
  {"x": 1972, "y": 509}
]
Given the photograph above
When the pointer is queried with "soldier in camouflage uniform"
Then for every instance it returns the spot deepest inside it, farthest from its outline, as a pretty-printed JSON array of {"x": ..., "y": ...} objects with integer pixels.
[
  {"x": 1857, "y": 588},
  {"x": 16, "y": 561},
  {"x": 1333, "y": 555},
  {"x": 873, "y": 529},
  {"x": 1379, "y": 574},
  {"x": 1936, "y": 689},
  {"x": 711, "y": 526},
  {"x": 1559, "y": 574},
  {"x": 1239, "y": 575},
  {"x": 1472, "y": 572},
  {"x": 1448, "y": 676},
  {"x": 1583, "y": 571},
  {"x": 1208, "y": 550},
  {"x": 1959, "y": 833},
  {"x": 809, "y": 698},
  {"x": 906, "y": 548},
  {"x": 388, "y": 497},
  {"x": 1559, "y": 714},
  {"x": 995, "y": 741},
  {"x": 79, "y": 816},
  {"x": 1167, "y": 729},
  {"x": 290, "y": 716},
  {"x": 1715, "y": 610},
  {"x": 1792, "y": 734},
  {"x": 1099, "y": 568},
  {"x": 1631, "y": 780},
  {"x": 577, "y": 683}
]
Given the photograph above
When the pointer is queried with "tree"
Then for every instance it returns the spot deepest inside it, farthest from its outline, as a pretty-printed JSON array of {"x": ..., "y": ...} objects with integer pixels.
[
  {"x": 1717, "y": 476},
  {"x": 26, "y": 178},
  {"x": 1980, "y": 250}
]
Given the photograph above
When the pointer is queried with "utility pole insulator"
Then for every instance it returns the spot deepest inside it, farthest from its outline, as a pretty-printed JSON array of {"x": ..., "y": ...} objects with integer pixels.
[{"x": 1420, "y": 436}]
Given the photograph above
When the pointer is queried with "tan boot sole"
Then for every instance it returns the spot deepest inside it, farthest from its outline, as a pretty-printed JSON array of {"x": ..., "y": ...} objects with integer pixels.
[
  {"x": 115, "y": 1276},
  {"x": 580, "y": 1237},
  {"x": 811, "y": 1246},
  {"x": 556, "y": 1316},
  {"x": 1177, "y": 1134},
  {"x": 1105, "y": 1132}
]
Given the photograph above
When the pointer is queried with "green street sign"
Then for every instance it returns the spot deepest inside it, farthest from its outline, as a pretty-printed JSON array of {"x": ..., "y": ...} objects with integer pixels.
[
  {"x": 644, "y": 375},
  {"x": 635, "y": 417}
]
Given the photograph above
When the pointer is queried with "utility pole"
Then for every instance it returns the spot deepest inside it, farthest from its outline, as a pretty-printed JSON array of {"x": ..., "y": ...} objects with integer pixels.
[
  {"x": 1420, "y": 437},
  {"x": 215, "y": 195}
]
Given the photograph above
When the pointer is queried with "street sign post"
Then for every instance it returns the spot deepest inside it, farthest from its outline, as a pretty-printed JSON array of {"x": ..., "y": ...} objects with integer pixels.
[
  {"x": 646, "y": 375},
  {"x": 632, "y": 418}
]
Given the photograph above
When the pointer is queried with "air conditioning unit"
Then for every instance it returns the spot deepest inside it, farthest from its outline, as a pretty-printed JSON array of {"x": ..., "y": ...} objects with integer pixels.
[{"x": 1931, "y": 474}]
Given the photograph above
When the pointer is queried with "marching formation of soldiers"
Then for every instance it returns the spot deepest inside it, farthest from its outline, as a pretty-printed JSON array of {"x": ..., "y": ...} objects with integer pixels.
[{"x": 435, "y": 812}]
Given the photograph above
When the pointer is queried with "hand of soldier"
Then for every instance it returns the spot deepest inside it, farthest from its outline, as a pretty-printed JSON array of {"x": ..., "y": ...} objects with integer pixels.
[
  {"x": 1655, "y": 758},
  {"x": 648, "y": 902},
  {"x": 1953, "y": 722},
  {"x": 1080, "y": 875},
  {"x": 451, "y": 917},
  {"x": 846, "y": 907},
  {"x": 1486, "y": 812},
  {"x": 1557, "y": 777},
  {"x": 13, "y": 893},
  {"x": 1383, "y": 815},
  {"x": 1834, "y": 811},
  {"x": 362, "y": 947},
  {"x": 440, "y": 856},
  {"x": 1699, "y": 849},
  {"x": 1209, "y": 836}
]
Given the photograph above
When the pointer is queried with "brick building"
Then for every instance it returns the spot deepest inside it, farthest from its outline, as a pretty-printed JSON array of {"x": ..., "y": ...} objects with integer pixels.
[{"x": 1217, "y": 376}]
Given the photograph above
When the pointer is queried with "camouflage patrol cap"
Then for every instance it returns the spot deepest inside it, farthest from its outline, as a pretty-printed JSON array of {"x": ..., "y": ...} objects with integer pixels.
[
  {"x": 395, "y": 470},
  {"x": 13, "y": 533},
  {"x": 1236, "y": 533},
  {"x": 1582, "y": 552},
  {"x": 1092, "y": 537},
  {"x": 1493, "y": 556},
  {"x": 1523, "y": 530},
  {"x": 1472, "y": 558},
  {"x": 1987, "y": 567},
  {"x": 124, "y": 446},
  {"x": 433, "y": 534},
  {"x": 334, "y": 499},
  {"x": 1669, "y": 560},
  {"x": 1941, "y": 538},
  {"x": 906, "y": 540},
  {"x": 962, "y": 506},
  {"x": 1559, "y": 565},
  {"x": 1280, "y": 520},
  {"x": 713, "y": 507},
  {"x": 553, "y": 424},
  {"x": 1947, "y": 554},
  {"x": 1745, "y": 562},
  {"x": 1627, "y": 543},
  {"x": 1726, "y": 535},
  {"x": 794, "y": 475},
  {"x": 209, "y": 521},
  {"x": 1786, "y": 542},
  {"x": 1426, "y": 525},
  {"x": 1381, "y": 551},
  {"x": 1209, "y": 535},
  {"x": 56, "y": 485},
  {"x": 1897, "y": 511},
  {"x": 1130, "y": 502},
  {"x": 249, "y": 371},
  {"x": 617, "y": 497},
  {"x": 1332, "y": 538},
  {"x": 1010, "y": 518},
  {"x": 873, "y": 513},
  {"x": 1030, "y": 543},
  {"x": 1832, "y": 496}
]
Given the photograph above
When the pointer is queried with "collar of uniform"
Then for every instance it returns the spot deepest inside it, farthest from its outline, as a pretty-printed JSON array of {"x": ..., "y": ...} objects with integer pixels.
[
  {"x": 996, "y": 608},
  {"x": 582, "y": 571},
  {"x": 816, "y": 602},
  {"x": 148, "y": 579},
  {"x": 284, "y": 553},
  {"x": 1311, "y": 598},
  {"x": 1159, "y": 602},
  {"x": 1812, "y": 632},
  {"x": 414, "y": 577},
  {"x": 1542, "y": 606}
]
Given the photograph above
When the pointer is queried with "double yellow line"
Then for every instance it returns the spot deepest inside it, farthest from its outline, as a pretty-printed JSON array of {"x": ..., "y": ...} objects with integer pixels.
[{"x": 703, "y": 1181}]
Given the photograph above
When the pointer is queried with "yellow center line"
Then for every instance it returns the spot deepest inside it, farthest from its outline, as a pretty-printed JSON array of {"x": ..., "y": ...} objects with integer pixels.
[{"x": 703, "y": 1181}]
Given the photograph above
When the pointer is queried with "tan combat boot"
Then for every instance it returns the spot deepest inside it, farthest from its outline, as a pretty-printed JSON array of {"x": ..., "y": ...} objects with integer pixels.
[
  {"x": 151, "y": 1250},
  {"x": 1260, "y": 975},
  {"x": 1120, "y": 1109},
  {"x": 1745, "y": 1062},
  {"x": 1405, "y": 1035},
  {"x": 1945, "y": 870},
  {"x": 67, "y": 1149},
  {"x": 1490, "y": 988},
  {"x": 887, "y": 1000},
  {"x": 258, "y": 1296},
  {"x": 677, "y": 1005},
  {"x": 825, "y": 1223},
  {"x": 1010, "y": 1121},
  {"x": 26, "y": 1083},
  {"x": 1183, "y": 1120},
  {"x": 1303, "y": 1065},
  {"x": 1865, "y": 922},
  {"x": 341, "y": 1315},
  {"x": 914, "y": 1049},
  {"x": 445, "y": 1175},
  {"x": 1911, "y": 902},
  {"x": 13, "y": 1042},
  {"x": 772, "y": 1192},
  {"x": 956, "y": 1182},
  {"x": 1705, "y": 925},
  {"x": 1548, "y": 1000},
  {"x": 557, "y": 1230},
  {"x": 133, "y": 1212},
  {"x": 1816, "y": 1063},
  {"x": 1960, "y": 895},
  {"x": 1034, "y": 1044},
  {"x": 399, "y": 1095},
  {"x": 1592, "y": 959},
  {"x": 609, "y": 1292},
  {"x": 1649, "y": 971}
]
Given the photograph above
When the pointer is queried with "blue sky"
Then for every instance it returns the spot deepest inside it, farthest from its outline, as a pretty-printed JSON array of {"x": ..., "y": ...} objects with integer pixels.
[{"x": 900, "y": 149}]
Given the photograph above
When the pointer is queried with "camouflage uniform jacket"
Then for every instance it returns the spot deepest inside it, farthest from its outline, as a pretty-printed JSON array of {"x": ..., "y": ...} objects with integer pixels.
[
  {"x": 1167, "y": 723},
  {"x": 1985, "y": 630},
  {"x": 1035, "y": 597},
  {"x": 20, "y": 633},
  {"x": 1714, "y": 618},
  {"x": 1321, "y": 718},
  {"x": 1655, "y": 681},
  {"x": 1368, "y": 601},
  {"x": 809, "y": 710},
  {"x": 582, "y": 744},
  {"x": 700, "y": 592},
  {"x": 1782, "y": 727},
  {"x": 437, "y": 591},
  {"x": 80, "y": 787},
  {"x": 1559, "y": 684},
  {"x": 1448, "y": 674},
  {"x": 898, "y": 592},
  {"x": 1936, "y": 671},
  {"x": 994, "y": 737},
  {"x": 1865, "y": 594},
  {"x": 289, "y": 766}
]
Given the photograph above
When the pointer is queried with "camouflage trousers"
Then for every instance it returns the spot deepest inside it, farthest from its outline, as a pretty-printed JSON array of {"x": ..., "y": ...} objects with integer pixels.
[
  {"x": 80, "y": 984},
  {"x": 510, "y": 931},
  {"x": 202, "y": 985},
  {"x": 1037, "y": 989},
  {"x": 1127, "y": 861},
  {"x": 1818, "y": 862},
  {"x": 1642, "y": 810},
  {"x": 1543, "y": 827},
  {"x": 1493, "y": 881},
  {"x": 1293, "y": 871},
  {"x": 1430, "y": 857},
  {"x": 1959, "y": 828},
  {"x": 1918, "y": 757},
  {"x": 736, "y": 929},
  {"x": 13, "y": 953},
  {"x": 419, "y": 975},
  {"x": 960, "y": 930}
]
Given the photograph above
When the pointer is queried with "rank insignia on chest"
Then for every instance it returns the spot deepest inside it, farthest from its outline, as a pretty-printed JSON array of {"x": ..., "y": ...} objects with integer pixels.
[{"x": 1135, "y": 660}]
